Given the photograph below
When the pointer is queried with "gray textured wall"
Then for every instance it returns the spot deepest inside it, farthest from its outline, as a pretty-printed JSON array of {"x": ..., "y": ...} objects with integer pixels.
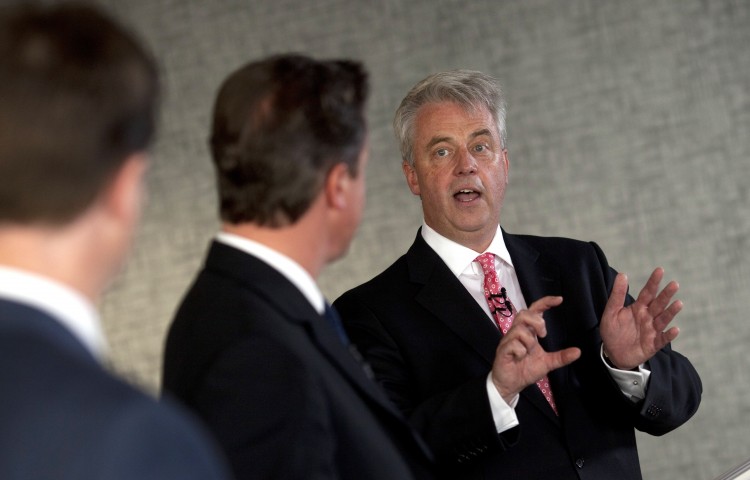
[{"x": 628, "y": 125}]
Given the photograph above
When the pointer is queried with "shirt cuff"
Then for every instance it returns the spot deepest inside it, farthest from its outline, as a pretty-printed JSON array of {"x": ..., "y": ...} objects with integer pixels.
[
  {"x": 503, "y": 414},
  {"x": 632, "y": 383}
]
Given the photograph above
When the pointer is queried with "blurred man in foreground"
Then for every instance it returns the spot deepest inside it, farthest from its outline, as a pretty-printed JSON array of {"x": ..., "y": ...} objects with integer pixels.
[{"x": 78, "y": 97}]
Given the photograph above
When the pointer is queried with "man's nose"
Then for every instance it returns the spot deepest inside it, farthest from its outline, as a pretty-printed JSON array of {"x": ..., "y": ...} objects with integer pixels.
[{"x": 466, "y": 164}]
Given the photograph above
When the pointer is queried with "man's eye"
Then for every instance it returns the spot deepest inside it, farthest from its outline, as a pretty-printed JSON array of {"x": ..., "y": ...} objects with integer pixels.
[
  {"x": 480, "y": 148},
  {"x": 441, "y": 152}
]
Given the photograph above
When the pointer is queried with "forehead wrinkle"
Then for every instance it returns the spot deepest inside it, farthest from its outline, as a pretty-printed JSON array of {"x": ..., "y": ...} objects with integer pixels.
[{"x": 473, "y": 115}]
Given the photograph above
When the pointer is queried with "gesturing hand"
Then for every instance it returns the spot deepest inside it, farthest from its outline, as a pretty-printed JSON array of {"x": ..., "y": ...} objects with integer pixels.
[
  {"x": 633, "y": 334},
  {"x": 519, "y": 359}
]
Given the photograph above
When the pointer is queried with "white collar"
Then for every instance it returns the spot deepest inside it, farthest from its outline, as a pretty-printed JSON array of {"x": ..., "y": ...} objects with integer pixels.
[
  {"x": 292, "y": 270},
  {"x": 457, "y": 257},
  {"x": 59, "y": 301}
]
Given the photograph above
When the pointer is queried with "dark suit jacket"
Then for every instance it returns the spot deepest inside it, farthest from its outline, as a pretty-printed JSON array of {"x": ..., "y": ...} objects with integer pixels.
[
  {"x": 270, "y": 377},
  {"x": 63, "y": 417},
  {"x": 432, "y": 347}
]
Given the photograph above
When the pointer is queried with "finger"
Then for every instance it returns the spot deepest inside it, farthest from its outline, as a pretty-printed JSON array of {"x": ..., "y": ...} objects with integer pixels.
[
  {"x": 525, "y": 334},
  {"x": 617, "y": 297},
  {"x": 663, "y": 299},
  {"x": 534, "y": 322},
  {"x": 512, "y": 348},
  {"x": 517, "y": 351},
  {"x": 555, "y": 360},
  {"x": 666, "y": 317},
  {"x": 671, "y": 334},
  {"x": 666, "y": 337},
  {"x": 648, "y": 292},
  {"x": 544, "y": 304}
]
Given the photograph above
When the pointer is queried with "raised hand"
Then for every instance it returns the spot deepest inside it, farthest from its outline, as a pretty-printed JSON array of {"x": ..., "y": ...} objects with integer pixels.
[
  {"x": 519, "y": 359},
  {"x": 633, "y": 334}
]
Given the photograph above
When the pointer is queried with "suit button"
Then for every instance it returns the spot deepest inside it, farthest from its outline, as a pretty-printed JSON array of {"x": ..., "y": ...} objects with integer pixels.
[{"x": 579, "y": 462}]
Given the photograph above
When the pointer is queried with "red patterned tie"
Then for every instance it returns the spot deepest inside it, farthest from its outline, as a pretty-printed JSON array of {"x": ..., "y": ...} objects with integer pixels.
[{"x": 503, "y": 312}]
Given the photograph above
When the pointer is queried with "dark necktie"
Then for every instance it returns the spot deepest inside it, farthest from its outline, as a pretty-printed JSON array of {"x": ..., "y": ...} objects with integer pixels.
[{"x": 335, "y": 321}]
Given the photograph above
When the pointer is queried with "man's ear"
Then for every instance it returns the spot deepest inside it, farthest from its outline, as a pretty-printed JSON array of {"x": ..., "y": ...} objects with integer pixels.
[
  {"x": 506, "y": 159},
  {"x": 337, "y": 185},
  {"x": 125, "y": 194},
  {"x": 411, "y": 177}
]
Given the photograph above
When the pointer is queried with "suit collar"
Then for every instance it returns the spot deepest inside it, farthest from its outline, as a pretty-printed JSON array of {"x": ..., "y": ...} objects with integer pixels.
[
  {"x": 443, "y": 295},
  {"x": 537, "y": 275},
  {"x": 446, "y": 298},
  {"x": 261, "y": 278},
  {"x": 23, "y": 321},
  {"x": 458, "y": 257},
  {"x": 293, "y": 271},
  {"x": 266, "y": 282},
  {"x": 59, "y": 301}
]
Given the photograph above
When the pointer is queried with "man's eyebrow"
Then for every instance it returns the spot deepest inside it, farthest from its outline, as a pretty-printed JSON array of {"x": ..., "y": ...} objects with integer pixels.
[
  {"x": 435, "y": 141},
  {"x": 479, "y": 133}
]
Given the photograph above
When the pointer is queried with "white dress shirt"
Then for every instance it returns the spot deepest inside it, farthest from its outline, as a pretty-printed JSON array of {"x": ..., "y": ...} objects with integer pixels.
[
  {"x": 292, "y": 270},
  {"x": 59, "y": 301},
  {"x": 461, "y": 261}
]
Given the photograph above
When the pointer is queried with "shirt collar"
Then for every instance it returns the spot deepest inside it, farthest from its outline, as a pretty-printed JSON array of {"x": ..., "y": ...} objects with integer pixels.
[
  {"x": 459, "y": 258},
  {"x": 62, "y": 303},
  {"x": 292, "y": 270}
]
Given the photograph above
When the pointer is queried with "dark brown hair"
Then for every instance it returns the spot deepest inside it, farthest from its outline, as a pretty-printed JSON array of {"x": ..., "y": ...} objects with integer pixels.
[
  {"x": 78, "y": 94},
  {"x": 279, "y": 126}
]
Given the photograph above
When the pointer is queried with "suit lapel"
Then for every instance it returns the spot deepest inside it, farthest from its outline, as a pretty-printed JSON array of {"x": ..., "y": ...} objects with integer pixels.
[
  {"x": 265, "y": 281},
  {"x": 444, "y": 296},
  {"x": 539, "y": 277},
  {"x": 349, "y": 362}
]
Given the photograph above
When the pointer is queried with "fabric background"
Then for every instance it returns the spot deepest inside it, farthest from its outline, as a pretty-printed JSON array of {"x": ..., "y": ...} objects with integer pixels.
[{"x": 628, "y": 125}]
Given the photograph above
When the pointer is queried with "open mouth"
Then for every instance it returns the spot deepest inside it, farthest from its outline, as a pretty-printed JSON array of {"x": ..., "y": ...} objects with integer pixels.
[{"x": 466, "y": 195}]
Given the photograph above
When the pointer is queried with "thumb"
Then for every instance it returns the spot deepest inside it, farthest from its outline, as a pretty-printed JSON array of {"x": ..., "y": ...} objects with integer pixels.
[{"x": 561, "y": 358}]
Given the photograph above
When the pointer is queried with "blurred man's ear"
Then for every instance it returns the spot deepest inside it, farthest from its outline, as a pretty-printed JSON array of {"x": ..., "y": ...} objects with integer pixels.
[
  {"x": 124, "y": 196},
  {"x": 337, "y": 184}
]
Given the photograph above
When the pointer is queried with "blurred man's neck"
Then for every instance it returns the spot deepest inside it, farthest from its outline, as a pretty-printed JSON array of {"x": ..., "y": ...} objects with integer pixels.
[{"x": 58, "y": 253}]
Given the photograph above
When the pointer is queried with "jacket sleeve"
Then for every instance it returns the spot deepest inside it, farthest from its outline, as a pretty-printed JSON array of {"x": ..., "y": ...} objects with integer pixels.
[{"x": 674, "y": 390}]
